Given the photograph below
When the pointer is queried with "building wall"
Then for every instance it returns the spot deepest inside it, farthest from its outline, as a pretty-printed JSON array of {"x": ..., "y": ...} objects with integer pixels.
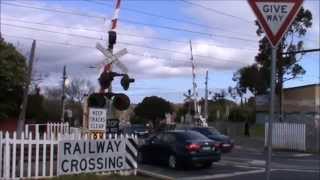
[
  {"x": 304, "y": 99},
  {"x": 301, "y": 99}
]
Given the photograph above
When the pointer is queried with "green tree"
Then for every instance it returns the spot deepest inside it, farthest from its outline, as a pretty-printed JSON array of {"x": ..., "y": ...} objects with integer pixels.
[
  {"x": 12, "y": 79},
  {"x": 35, "y": 108},
  {"x": 52, "y": 103},
  {"x": 256, "y": 78},
  {"x": 78, "y": 88},
  {"x": 153, "y": 108}
]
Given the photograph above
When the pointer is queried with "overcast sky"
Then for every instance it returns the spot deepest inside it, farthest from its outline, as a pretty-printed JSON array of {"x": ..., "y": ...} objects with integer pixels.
[{"x": 222, "y": 33}]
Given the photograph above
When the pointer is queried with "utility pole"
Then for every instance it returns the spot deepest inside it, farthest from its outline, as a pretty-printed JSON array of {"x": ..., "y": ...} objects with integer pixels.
[
  {"x": 206, "y": 98},
  {"x": 22, "y": 115},
  {"x": 63, "y": 97},
  {"x": 194, "y": 85}
]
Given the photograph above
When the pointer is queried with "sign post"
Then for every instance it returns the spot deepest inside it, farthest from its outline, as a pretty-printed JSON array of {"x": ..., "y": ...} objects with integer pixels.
[{"x": 274, "y": 16}]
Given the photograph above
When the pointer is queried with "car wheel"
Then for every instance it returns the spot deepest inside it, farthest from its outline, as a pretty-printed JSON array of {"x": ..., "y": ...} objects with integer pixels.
[
  {"x": 172, "y": 161},
  {"x": 207, "y": 164}
]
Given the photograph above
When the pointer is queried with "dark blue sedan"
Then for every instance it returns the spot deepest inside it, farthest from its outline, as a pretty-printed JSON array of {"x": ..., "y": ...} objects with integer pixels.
[
  {"x": 177, "y": 148},
  {"x": 225, "y": 143}
]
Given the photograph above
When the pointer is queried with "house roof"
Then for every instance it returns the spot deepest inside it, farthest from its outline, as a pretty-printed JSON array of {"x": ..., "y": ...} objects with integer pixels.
[{"x": 300, "y": 87}]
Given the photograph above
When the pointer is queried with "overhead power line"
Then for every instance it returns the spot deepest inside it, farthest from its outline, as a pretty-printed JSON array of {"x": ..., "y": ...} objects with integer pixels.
[
  {"x": 124, "y": 43},
  {"x": 54, "y": 25},
  {"x": 120, "y": 33},
  {"x": 50, "y": 42},
  {"x": 187, "y": 30},
  {"x": 217, "y": 11},
  {"x": 164, "y": 17},
  {"x": 50, "y": 31},
  {"x": 141, "y": 23},
  {"x": 167, "y": 59},
  {"x": 102, "y": 39},
  {"x": 55, "y": 10}
]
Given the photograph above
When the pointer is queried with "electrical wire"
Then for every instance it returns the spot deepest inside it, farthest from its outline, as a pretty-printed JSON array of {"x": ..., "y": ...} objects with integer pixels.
[
  {"x": 141, "y": 23},
  {"x": 133, "y": 53},
  {"x": 165, "y": 17},
  {"x": 217, "y": 12},
  {"x": 124, "y": 43},
  {"x": 120, "y": 33},
  {"x": 50, "y": 42},
  {"x": 55, "y": 10},
  {"x": 187, "y": 30}
]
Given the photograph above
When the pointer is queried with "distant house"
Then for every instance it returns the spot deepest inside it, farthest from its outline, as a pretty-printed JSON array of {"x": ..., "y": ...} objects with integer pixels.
[
  {"x": 219, "y": 109},
  {"x": 124, "y": 116},
  {"x": 299, "y": 104}
]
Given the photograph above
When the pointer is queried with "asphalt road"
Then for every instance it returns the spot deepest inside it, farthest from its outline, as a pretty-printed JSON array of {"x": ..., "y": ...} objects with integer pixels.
[
  {"x": 247, "y": 165},
  {"x": 278, "y": 175}
]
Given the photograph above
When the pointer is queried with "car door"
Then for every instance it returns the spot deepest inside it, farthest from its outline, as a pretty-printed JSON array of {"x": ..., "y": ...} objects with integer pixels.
[
  {"x": 167, "y": 147},
  {"x": 154, "y": 149}
]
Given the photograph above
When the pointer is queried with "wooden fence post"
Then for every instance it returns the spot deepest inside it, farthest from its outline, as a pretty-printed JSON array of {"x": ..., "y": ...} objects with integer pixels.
[
  {"x": 29, "y": 153},
  {"x": 44, "y": 154},
  {"x": 37, "y": 154},
  {"x": 14, "y": 146},
  {"x": 26, "y": 130},
  {"x": 21, "y": 154},
  {"x": 37, "y": 129},
  {"x": 1, "y": 141},
  {"x": 7, "y": 156},
  {"x": 51, "y": 155}
]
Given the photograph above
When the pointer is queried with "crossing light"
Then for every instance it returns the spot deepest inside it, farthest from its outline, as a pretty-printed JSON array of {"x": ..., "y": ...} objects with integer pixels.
[
  {"x": 112, "y": 39},
  {"x": 121, "y": 102},
  {"x": 125, "y": 82},
  {"x": 97, "y": 100}
]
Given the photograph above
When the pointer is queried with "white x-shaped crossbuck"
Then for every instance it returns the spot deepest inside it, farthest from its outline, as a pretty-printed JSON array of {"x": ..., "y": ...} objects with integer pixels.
[{"x": 114, "y": 58}]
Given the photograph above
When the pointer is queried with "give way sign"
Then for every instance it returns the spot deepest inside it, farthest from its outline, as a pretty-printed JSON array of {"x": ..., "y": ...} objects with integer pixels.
[{"x": 275, "y": 16}]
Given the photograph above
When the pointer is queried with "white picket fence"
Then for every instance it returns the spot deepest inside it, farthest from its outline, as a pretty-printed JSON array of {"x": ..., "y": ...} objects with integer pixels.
[
  {"x": 51, "y": 129},
  {"x": 36, "y": 157},
  {"x": 289, "y": 136}
]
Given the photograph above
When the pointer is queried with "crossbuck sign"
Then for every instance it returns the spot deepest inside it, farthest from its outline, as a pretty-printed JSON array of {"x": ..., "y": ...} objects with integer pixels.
[{"x": 114, "y": 58}]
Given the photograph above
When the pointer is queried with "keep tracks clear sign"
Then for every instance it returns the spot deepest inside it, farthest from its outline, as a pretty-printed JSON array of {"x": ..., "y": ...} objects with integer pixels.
[
  {"x": 80, "y": 156},
  {"x": 97, "y": 119}
]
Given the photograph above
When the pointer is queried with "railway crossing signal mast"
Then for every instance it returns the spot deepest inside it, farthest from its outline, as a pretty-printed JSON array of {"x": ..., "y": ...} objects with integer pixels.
[
  {"x": 98, "y": 102},
  {"x": 198, "y": 118}
]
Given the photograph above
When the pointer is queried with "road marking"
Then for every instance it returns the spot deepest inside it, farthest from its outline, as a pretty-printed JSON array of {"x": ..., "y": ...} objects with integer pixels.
[
  {"x": 153, "y": 174},
  {"x": 298, "y": 170},
  {"x": 224, "y": 175},
  {"x": 304, "y": 160},
  {"x": 301, "y": 155},
  {"x": 257, "y": 162}
]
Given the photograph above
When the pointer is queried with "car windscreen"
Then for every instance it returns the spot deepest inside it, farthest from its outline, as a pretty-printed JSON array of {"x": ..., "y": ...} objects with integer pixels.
[
  {"x": 191, "y": 135},
  {"x": 207, "y": 131},
  {"x": 138, "y": 128}
]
